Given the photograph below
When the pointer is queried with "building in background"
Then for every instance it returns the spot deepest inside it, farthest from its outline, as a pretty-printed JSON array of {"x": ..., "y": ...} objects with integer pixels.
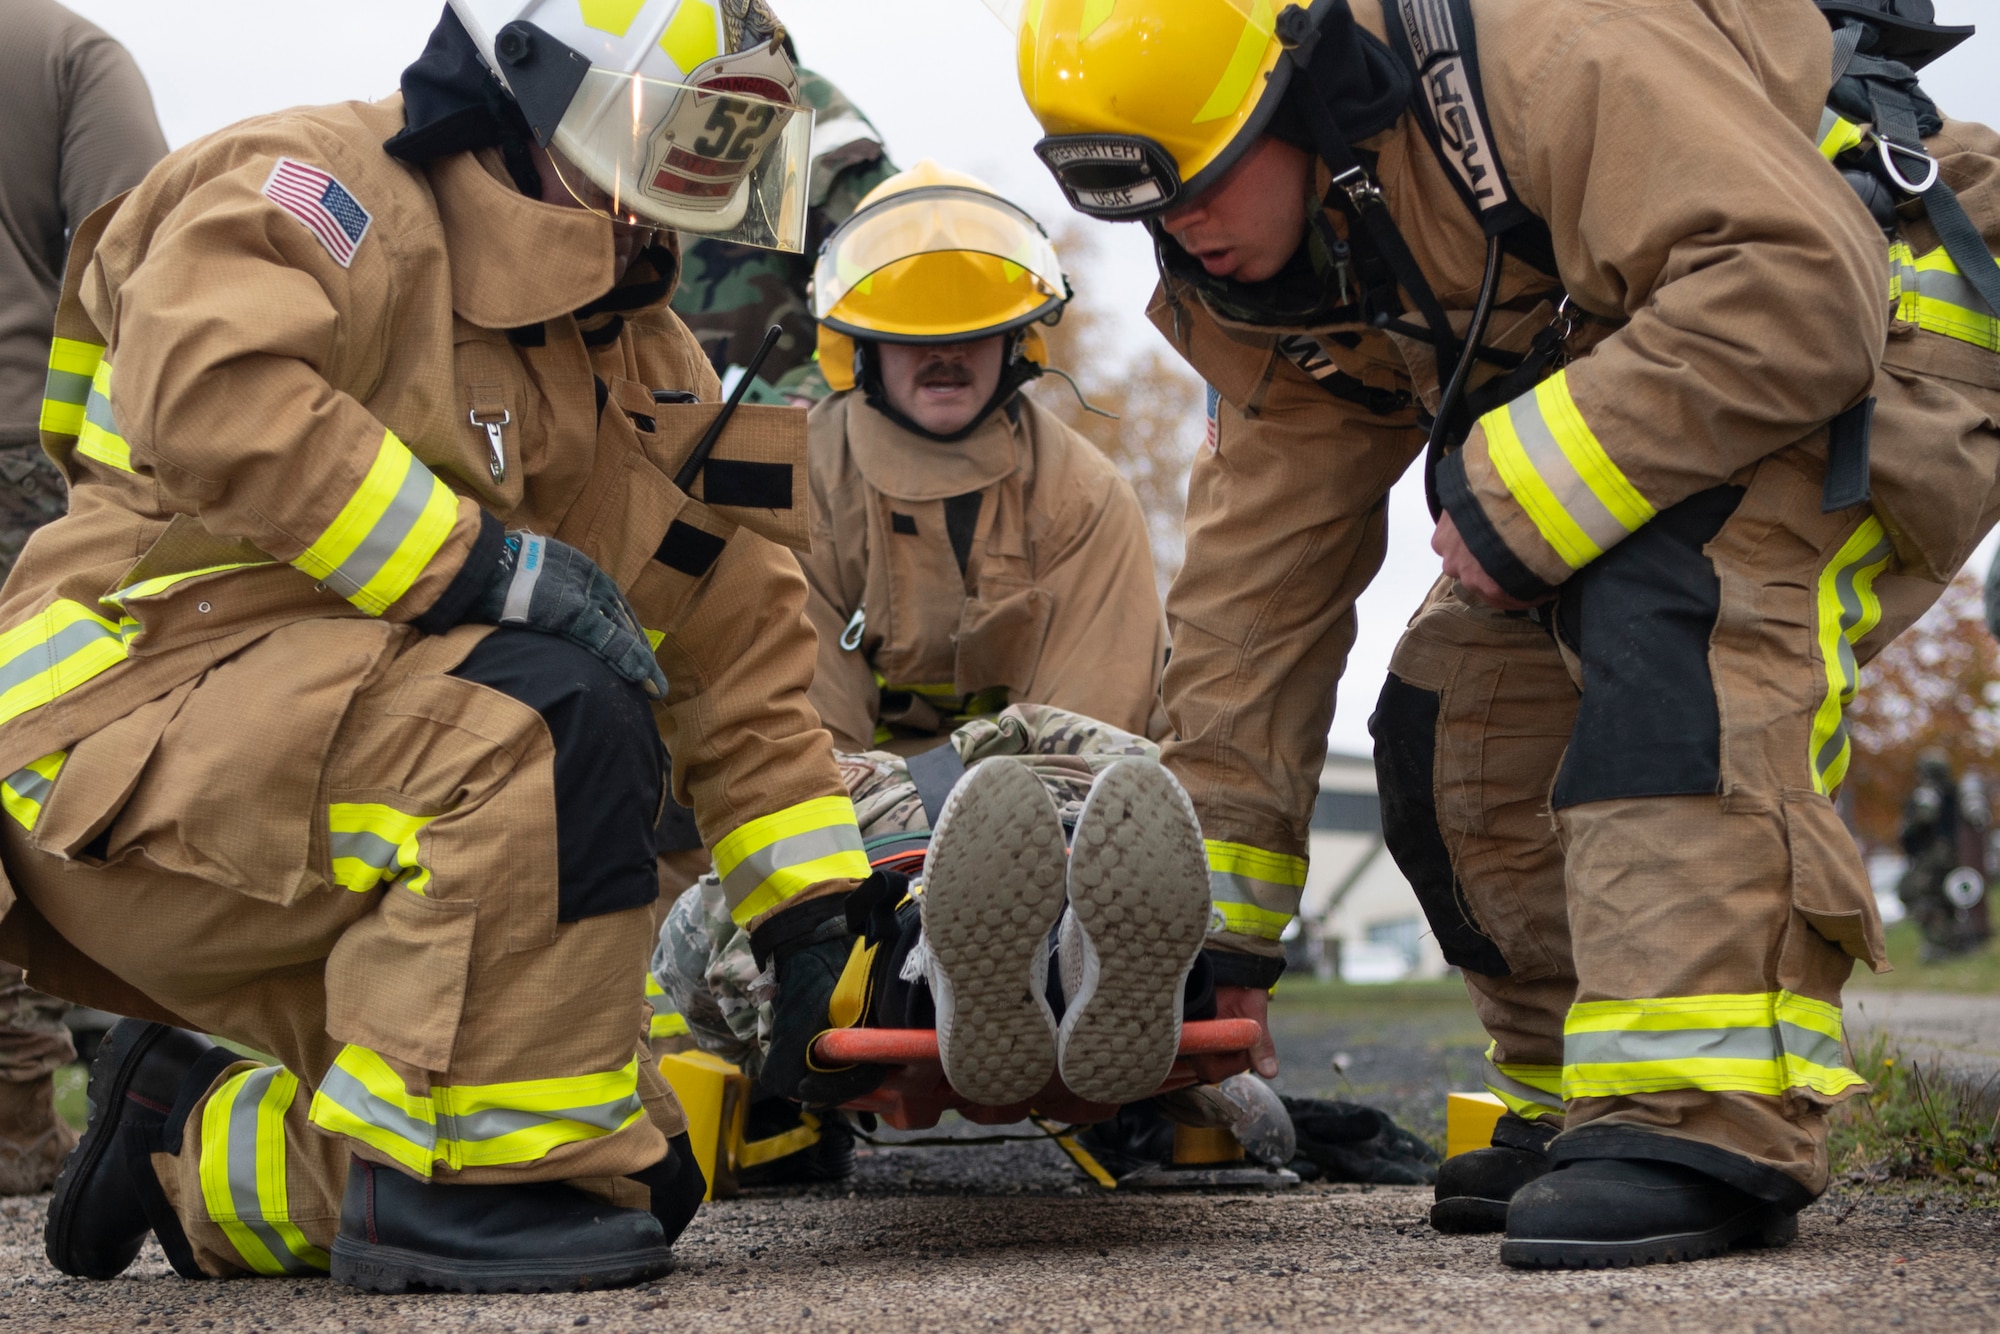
[{"x": 1360, "y": 920}]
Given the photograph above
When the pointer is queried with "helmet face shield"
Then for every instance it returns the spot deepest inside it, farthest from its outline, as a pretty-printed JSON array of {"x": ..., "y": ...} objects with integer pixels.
[
  {"x": 939, "y": 262},
  {"x": 724, "y": 154}
]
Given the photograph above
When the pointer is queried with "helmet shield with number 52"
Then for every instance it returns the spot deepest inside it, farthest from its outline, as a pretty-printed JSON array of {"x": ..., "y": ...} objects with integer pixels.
[
  {"x": 1145, "y": 102},
  {"x": 671, "y": 113}
]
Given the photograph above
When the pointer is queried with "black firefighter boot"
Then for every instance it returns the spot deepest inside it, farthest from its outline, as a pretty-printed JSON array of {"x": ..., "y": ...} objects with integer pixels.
[
  {"x": 398, "y": 1233},
  {"x": 144, "y": 1080},
  {"x": 1613, "y": 1213},
  {"x": 1473, "y": 1188}
]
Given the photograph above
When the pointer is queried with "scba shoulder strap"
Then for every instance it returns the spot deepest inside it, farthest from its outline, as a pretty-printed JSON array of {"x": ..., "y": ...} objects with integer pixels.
[{"x": 1436, "y": 39}]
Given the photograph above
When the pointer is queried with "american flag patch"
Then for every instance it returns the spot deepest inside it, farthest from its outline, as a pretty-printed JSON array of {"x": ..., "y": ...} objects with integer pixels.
[
  {"x": 322, "y": 204},
  {"x": 1214, "y": 435}
]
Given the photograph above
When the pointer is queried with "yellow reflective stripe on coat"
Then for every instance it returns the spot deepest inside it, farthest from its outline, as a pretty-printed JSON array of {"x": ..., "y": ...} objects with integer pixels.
[
  {"x": 768, "y": 860},
  {"x": 1930, "y": 292},
  {"x": 72, "y": 366},
  {"x": 470, "y": 1125},
  {"x": 1765, "y": 1043},
  {"x": 1848, "y": 610},
  {"x": 1559, "y": 474},
  {"x": 159, "y": 584},
  {"x": 98, "y": 438},
  {"x": 24, "y": 791},
  {"x": 56, "y": 650},
  {"x": 1837, "y": 134},
  {"x": 390, "y": 529},
  {"x": 372, "y": 843},
  {"x": 1243, "y": 881},
  {"x": 243, "y": 1183},
  {"x": 1529, "y": 1091}
]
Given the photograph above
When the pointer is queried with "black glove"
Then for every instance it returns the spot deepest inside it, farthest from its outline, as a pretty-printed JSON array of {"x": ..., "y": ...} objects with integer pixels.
[
  {"x": 1345, "y": 1141},
  {"x": 521, "y": 578}
]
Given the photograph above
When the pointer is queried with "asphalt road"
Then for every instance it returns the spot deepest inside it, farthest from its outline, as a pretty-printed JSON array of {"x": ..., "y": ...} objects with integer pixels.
[{"x": 1006, "y": 1238}]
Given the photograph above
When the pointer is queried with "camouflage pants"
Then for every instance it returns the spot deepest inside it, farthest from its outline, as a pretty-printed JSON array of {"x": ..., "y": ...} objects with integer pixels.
[
  {"x": 33, "y": 1040},
  {"x": 703, "y": 961}
]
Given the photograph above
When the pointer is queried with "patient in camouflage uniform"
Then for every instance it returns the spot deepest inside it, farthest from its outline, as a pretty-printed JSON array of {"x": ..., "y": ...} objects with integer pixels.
[{"x": 703, "y": 962}]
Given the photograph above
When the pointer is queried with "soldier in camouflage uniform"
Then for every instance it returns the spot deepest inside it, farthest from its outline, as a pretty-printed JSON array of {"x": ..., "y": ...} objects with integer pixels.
[{"x": 730, "y": 294}]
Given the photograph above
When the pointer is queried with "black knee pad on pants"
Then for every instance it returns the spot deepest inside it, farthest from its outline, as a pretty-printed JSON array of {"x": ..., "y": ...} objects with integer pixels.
[
  {"x": 1404, "y": 726},
  {"x": 1639, "y": 618},
  {"x": 609, "y": 765}
]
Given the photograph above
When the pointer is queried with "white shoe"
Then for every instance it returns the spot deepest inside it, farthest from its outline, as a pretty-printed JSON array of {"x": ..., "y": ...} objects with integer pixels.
[
  {"x": 1138, "y": 913},
  {"x": 993, "y": 887}
]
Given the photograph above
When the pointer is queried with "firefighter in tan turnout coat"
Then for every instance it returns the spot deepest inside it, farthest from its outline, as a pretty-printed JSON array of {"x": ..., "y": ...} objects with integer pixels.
[
  {"x": 338, "y": 392},
  {"x": 969, "y": 550},
  {"x": 1610, "y": 740}
]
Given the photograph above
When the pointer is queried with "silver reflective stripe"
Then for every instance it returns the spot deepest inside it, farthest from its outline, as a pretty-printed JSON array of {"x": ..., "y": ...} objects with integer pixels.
[
  {"x": 527, "y": 573},
  {"x": 353, "y": 1097},
  {"x": 1501, "y": 1082},
  {"x": 97, "y": 411},
  {"x": 1941, "y": 285},
  {"x": 386, "y": 537},
  {"x": 1538, "y": 442},
  {"x": 371, "y": 849},
  {"x": 797, "y": 850},
  {"x": 1679, "y": 1044},
  {"x": 31, "y": 785},
  {"x": 67, "y": 387},
  {"x": 1812, "y": 1046},
  {"x": 496, "y": 1122},
  {"x": 243, "y": 1196},
  {"x": 1851, "y": 612},
  {"x": 64, "y": 643},
  {"x": 1682, "y": 1044}
]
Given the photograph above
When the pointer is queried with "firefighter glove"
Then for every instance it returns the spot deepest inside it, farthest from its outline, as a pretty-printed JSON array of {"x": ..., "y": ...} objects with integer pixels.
[{"x": 552, "y": 587}]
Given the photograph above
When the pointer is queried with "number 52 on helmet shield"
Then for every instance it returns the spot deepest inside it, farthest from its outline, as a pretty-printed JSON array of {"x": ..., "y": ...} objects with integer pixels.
[
  {"x": 727, "y": 157},
  {"x": 663, "y": 113}
]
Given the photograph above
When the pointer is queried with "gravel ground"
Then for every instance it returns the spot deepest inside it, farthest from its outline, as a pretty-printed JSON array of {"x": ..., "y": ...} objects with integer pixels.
[{"x": 1004, "y": 1237}]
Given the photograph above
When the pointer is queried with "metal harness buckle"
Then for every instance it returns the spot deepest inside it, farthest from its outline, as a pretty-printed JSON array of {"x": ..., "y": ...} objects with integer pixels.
[{"x": 1889, "y": 149}]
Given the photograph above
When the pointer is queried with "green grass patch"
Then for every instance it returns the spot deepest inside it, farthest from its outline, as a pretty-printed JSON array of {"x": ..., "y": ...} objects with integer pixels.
[
  {"x": 71, "y": 1104},
  {"x": 1970, "y": 973},
  {"x": 1309, "y": 994},
  {"x": 1918, "y": 1126}
]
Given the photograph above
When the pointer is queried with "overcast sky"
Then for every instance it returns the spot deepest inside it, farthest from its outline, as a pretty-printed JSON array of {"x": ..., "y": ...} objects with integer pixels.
[{"x": 935, "y": 76}]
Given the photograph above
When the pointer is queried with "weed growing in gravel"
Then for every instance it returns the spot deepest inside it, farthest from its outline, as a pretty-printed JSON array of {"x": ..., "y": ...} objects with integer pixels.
[{"x": 1918, "y": 1125}]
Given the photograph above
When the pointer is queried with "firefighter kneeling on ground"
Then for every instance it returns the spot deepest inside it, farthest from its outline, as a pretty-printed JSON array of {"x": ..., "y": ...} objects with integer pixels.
[
  {"x": 1652, "y": 480},
  {"x": 335, "y": 705},
  {"x": 970, "y": 552}
]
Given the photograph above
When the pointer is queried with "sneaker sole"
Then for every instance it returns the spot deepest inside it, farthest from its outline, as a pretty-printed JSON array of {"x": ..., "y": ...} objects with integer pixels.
[
  {"x": 993, "y": 888},
  {"x": 391, "y": 1269},
  {"x": 1764, "y": 1226},
  {"x": 110, "y": 1076},
  {"x": 1138, "y": 887}
]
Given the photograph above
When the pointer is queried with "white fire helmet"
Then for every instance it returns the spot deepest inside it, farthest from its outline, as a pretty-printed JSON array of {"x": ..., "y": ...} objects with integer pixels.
[{"x": 677, "y": 113}]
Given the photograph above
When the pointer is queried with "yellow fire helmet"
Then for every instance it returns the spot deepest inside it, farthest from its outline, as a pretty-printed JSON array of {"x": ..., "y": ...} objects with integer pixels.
[
  {"x": 933, "y": 256},
  {"x": 1145, "y": 101}
]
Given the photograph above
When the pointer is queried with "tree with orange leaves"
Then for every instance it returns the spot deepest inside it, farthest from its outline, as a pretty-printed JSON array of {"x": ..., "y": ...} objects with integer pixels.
[{"x": 1937, "y": 685}]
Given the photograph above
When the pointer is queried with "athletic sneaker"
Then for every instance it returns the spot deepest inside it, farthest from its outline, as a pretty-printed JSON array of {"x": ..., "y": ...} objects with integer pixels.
[
  {"x": 1138, "y": 899},
  {"x": 993, "y": 889}
]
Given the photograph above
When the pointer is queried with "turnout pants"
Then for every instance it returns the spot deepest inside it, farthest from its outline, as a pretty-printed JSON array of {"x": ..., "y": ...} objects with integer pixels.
[
  {"x": 427, "y": 895},
  {"x": 1617, "y": 813}
]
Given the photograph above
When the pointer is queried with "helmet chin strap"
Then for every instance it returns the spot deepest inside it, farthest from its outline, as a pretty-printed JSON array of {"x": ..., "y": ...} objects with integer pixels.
[{"x": 1015, "y": 371}]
